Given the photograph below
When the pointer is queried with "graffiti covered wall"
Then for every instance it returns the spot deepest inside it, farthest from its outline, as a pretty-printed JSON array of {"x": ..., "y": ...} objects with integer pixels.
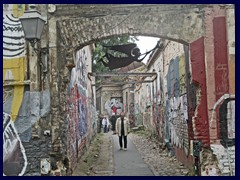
[
  {"x": 14, "y": 60},
  {"x": 164, "y": 103},
  {"x": 176, "y": 100},
  {"x": 14, "y": 156},
  {"x": 26, "y": 107},
  {"x": 114, "y": 105},
  {"x": 80, "y": 106},
  {"x": 110, "y": 100}
]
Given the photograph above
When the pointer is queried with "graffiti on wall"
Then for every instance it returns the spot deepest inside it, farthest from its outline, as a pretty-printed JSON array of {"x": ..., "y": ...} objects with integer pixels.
[
  {"x": 13, "y": 150},
  {"x": 131, "y": 115},
  {"x": 80, "y": 111},
  {"x": 79, "y": 72},
  {"x": 149, "y": 95},
  {"x": 138, "y": 115},
  {"x": 82, "y": 114},
  {"x": 159, "y": 88},
  {"x": 14, "y": 59},
  {"x": 176, "y": 104},
  {"x": 114, "y": 106},
  {"x": 14, "y": 62},
  {"x": 157, "y": 120}
]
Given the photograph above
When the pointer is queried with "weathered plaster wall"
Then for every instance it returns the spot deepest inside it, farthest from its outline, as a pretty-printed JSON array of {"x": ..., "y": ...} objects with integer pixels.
[
  {"x": 175, "y": 81},
  {"x": 230, "y": 20},
  {"x": 21, "y": 103},
  {"x": 80, "y": 106},
  {"x": 163, "y": 103},
  {"x": 200, "y": 119},
  {"x": 220, "y": 69},
  {"x": 72, "y": 106},
  {"x": 128, "y": 103}
]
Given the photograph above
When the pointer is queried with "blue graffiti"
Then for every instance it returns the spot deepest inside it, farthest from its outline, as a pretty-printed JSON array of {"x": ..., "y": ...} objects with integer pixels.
[{"x": 82, "y": 120}]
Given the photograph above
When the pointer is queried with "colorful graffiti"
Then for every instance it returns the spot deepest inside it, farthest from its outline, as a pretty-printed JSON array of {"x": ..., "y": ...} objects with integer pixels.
[
  {"x": 114, "y": 106},
  {"x": 138, "y": 120},
  {"x": 131, "y": 115},
  {"x": 157, "y": 120},
  {"x": 14, "y": 60},
  {"x": 14, "y": 67},
  {"x": 176, "y": 104},
  {"x": 13, "y": 150},
  {"x": 80, "y": 109}
]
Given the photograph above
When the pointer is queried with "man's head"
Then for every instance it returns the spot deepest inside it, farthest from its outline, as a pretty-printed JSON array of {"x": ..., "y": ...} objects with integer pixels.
[{"x": 122, "y": 114}]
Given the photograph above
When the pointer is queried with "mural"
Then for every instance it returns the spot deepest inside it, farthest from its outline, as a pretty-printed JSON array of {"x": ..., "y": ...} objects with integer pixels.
[
  {"x": 114, "y": 105},
  {"x": 13, "y": 150},
  {"x": 14, "y": 66},
  {"x": 176, "y": 104},
  {"x": 24, "y": 106},
  {"x": 80, "y": 111},
  {"x": 14, "y": 60}
]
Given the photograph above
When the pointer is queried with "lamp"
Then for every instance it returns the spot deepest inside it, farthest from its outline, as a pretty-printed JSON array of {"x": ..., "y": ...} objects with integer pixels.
[{"x": 33, "y": 24}]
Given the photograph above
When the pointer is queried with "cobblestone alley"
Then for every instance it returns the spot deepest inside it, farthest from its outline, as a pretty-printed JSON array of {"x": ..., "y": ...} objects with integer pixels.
[{"x": 143, "y": 158}]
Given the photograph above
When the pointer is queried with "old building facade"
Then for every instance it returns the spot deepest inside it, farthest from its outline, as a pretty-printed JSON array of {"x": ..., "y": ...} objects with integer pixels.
[
  {"x": 50, "y": 104},
  {"x": 182, "y": 106}
]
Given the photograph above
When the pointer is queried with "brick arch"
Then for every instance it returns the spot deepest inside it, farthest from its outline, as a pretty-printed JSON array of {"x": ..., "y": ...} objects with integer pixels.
[{"x": 80, "y": 25}]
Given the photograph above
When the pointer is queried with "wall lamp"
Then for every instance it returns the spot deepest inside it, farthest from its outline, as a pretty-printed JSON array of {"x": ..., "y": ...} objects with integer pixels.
[{"x": 33, "y": 24}]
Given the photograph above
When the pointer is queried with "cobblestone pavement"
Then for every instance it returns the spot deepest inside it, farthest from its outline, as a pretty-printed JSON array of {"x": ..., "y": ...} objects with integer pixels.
[{"x": 159, "y": 161}]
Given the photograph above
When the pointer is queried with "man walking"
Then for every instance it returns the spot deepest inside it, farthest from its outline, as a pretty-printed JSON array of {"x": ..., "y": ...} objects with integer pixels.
[{"x": 122, "y": 130}]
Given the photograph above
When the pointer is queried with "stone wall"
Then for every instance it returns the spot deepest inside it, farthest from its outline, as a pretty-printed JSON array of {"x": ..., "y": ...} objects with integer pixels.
[
  {"x": 114, "y": 20},
  {"x": 225, "y": 164},
  {"x": 70, "y": 105},
  {"x": 80, "y": 108}
]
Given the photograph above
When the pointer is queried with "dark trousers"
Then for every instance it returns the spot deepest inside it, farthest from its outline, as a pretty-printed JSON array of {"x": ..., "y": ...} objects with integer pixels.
[
  {"x": 105, "y": 128},
  {"x": 124, "y": 141}
]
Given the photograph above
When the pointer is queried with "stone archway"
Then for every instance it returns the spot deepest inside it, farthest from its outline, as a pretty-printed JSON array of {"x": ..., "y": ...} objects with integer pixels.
[
  {"x": 75, "y": 26},
  {"x": 82, "y": 24},
  {"x": 71, "y": 27}
]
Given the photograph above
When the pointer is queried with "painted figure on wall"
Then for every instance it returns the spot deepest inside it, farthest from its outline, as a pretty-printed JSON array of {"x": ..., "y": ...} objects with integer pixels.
[
  {"x": 13, "y": 150},
  {"x": 14, "y": 67},
  {"x": 114, "y": 105},
  {"x": 14, "y": 60}
]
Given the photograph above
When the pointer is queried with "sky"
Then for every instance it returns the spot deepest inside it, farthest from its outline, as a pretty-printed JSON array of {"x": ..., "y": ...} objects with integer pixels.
[{"x": 145, "y": 44}]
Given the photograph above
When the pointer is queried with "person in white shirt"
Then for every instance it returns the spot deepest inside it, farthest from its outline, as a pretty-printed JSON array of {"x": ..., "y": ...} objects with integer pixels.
[{"x": 104, "y": 124}]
